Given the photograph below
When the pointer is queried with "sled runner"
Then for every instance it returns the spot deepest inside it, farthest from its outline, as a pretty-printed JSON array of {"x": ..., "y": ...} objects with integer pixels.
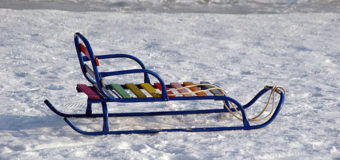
[{"x": 100, "y": 92}]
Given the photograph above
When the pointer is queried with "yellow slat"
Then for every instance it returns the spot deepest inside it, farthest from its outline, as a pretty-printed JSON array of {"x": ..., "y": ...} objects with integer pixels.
[
  {"x": 135, "y": 90},
  {"x": 150, "y": 90}
]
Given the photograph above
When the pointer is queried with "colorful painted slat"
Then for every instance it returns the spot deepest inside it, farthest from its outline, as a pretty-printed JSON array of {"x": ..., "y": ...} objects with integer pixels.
[
  {"x": 148, "y": 87},
  {"x": 195, "y": 88},
  {"x": 159, "y": 86},
  {"x": 120, "y": 90},
  {"x": 88, "y": 91},
  {"x": 90, "y": 72},
  {"x": 86, "y": 52},
  {"x": 183, "y": 90},
  {"x": 135, "y": 90},
  {"x": 215, "y": 92}
]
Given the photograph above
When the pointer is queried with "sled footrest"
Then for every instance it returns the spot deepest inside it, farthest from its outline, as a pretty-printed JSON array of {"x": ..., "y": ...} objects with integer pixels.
[{"x": 88, "y": 91}]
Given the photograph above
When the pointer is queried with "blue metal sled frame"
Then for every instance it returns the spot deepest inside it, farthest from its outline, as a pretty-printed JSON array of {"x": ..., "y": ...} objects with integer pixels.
[{"x": 105, "y": 98}]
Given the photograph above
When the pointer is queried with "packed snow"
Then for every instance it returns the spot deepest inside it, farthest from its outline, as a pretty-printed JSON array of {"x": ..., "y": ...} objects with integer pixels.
[
  {"x": 297, "y": 50},
  {"x": 175, "y": 6}
]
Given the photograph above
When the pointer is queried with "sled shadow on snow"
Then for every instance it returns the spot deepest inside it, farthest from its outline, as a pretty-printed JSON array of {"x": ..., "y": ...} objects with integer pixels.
[{"x": 22, "y": 122}]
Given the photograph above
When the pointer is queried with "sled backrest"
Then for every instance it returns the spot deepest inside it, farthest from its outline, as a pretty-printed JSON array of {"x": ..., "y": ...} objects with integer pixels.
[
  {"x": 89, "y": 64},
  {"x": 85, "y": 55},
  {"x": 90, "y": 70}
]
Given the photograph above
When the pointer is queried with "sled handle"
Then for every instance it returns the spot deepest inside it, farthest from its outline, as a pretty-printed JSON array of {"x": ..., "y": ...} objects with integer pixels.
[{"x": 141, "y": 64}]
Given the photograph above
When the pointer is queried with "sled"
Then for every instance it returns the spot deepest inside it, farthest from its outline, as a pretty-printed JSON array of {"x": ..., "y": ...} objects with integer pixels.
[{"x": 100, "y": 92}]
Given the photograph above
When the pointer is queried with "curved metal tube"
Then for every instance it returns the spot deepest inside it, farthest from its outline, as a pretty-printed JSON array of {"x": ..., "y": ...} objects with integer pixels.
[{"x": 82, "y": 58}]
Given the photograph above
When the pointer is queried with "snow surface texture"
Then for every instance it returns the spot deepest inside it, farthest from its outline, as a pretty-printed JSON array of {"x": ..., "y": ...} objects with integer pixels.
[
  {"x": 175, "y": 6},
  {"x": 239, "y": 52}
]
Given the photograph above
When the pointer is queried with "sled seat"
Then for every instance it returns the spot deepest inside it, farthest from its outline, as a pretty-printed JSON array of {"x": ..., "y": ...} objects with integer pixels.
[{"x": 147, "y": 90}]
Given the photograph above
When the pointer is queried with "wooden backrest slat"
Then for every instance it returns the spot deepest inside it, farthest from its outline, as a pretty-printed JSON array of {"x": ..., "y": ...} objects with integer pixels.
[{"x": 84, "y": 50}]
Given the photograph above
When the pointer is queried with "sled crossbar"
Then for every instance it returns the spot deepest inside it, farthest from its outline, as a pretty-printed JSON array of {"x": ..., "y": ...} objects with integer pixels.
[{"x": 98, "y": 92}]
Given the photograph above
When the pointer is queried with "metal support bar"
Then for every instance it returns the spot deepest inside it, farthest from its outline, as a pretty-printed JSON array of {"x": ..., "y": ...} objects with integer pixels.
[
  {"x": 89, "y": 107},
  {"x": 105, "y": 118}
]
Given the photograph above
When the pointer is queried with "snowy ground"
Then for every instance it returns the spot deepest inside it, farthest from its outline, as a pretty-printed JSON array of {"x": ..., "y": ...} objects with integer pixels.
[
  {"x": 175, "y": 6},
  {"x": 239, "y": 52}
]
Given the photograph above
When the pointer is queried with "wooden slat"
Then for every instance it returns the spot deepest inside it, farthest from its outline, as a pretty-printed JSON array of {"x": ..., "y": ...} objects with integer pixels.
[
  {"x": 86, "y": 52},
  {"x": 135, "y": 90},
  {"x": 89, "y": 71},
  {"x": 177, "y": 85},
  {"x": 150, "y": 90},
  {"x": 120, "y": 90},
  {"x": 201, "y": 94},
  {"x": 159, "y": 86},
  {"x": 88, "y": 91},
  {"x": 215, "y": 92}
]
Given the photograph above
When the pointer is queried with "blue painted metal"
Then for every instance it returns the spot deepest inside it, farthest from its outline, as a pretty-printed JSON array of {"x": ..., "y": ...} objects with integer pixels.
[
  {"x": 82, "y": 58},
  {"x": 107, "y": 98},
  {"x": 105, "y": 118}
]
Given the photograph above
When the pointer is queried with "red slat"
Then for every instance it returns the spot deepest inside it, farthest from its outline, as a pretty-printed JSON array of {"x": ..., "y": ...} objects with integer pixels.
[
  {"x": 159, "y": 86},
  {"x": 86, "y": 52},
  {"x": 88, "y": 91}
]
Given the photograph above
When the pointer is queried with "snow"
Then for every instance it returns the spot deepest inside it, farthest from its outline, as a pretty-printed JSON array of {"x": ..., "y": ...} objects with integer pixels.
[
  {"x": 239, "y": 52},
  {"x": 175, "y": 6}
]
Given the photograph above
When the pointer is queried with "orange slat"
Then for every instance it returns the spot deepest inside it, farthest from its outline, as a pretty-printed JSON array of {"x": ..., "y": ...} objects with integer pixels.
[{"x": 201, "y": 94}]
